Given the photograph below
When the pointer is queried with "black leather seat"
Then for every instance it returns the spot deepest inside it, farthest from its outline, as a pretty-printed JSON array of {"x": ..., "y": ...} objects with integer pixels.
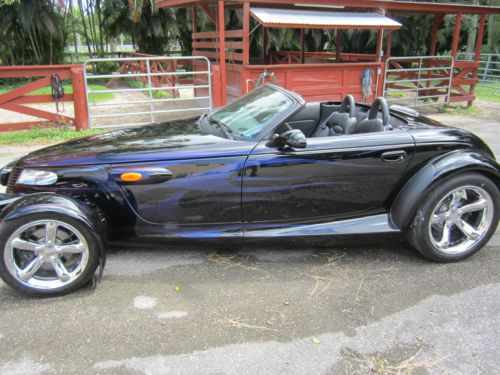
[
  {"x": 373, "y": 123},
  {"x": 341, "y": 122}
]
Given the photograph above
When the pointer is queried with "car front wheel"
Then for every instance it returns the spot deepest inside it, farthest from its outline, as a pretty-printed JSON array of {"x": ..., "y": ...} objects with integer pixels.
[
  {"x": 47, "y": 254},
  {"x": 456, "y": 218}
]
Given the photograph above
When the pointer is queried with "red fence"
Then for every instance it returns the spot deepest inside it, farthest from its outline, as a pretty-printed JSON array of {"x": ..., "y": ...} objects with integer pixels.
[
  {"x": 295, "y": 57},
  {"x": 16, "y": 99},
  {"x": 315, "y": 82},
  {"x": 152, "y": 70}
]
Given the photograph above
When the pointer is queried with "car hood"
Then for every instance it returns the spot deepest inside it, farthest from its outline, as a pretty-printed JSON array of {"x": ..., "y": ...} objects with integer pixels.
[{"x": 181, "y": 139}]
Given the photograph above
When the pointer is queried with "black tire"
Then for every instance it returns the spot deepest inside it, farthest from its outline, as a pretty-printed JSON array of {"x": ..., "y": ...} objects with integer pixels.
[
  {"x": 418, "y": 231},
  {"x": 93, "y": 254}
]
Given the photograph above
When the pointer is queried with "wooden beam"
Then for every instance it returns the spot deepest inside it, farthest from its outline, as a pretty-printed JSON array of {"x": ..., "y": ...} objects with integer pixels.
[
  {"x": 380, "y": 41},
  {"x": 214, "y": 45},
  {"x": 264, "y": 43},
  {"x": 215, "y": 34},
  {"x": 404, "y": 6},
  {"x": 388, "y": 45},
  {"x": 477, "y": 54},
  {"x": 302, "y": 45},
  {"x": 16, "y": 126},
  {"x": 456, "y": 36},
  {"x": 338, "y": 44},
  {"x": 38, "y": 113},
  {"x": 246, "y": 32},
  {"x": 435, "y": 27},
  {"x": 80, "y": 99},
  {"x": 195, "y": 18},
  {"x": 480, "y": 36},
  {"x": 222, "y": 50},
  {"x": 211, "y": 13}
]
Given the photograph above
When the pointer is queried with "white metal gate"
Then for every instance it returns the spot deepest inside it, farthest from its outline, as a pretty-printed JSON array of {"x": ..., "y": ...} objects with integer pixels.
[
  {"x": 488, "y": 71},
  {"x": 419, "y": 80},
  {"x": 140, "y": 89}
]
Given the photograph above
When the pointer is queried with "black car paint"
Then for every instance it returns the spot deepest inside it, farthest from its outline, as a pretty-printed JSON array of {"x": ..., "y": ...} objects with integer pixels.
[{"x": 232, "y": 188}]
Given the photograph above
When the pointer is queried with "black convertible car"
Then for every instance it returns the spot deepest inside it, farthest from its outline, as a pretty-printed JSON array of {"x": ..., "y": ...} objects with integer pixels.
[{"x": 267, "y": 165}]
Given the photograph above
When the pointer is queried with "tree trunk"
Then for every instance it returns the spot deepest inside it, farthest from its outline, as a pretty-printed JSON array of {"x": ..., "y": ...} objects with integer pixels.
[
  {"x": 87, "y": 40},
  {"x": 471, "y": 38},
  {"x": 491, "y": 34}
]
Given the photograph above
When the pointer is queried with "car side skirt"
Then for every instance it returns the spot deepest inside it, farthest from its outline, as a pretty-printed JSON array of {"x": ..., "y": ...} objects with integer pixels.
[
  {"x": 380, "y": 223},
  {"x": 373, "y": 224}
]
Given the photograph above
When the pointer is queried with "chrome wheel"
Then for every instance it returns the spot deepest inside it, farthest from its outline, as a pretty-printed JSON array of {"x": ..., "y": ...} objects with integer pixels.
[
  {"x": 461, "y": 219},
  {"x": 46, "y": 254}
]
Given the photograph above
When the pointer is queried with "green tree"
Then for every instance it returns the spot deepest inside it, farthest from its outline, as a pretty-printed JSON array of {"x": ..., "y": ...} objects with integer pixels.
[
  {"x": 32, "y": 32},
  {"x": 153, "y": 31}
]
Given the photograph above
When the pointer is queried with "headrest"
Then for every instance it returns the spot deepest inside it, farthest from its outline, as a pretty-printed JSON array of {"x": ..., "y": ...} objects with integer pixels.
[{"x": 370, "y": 126}]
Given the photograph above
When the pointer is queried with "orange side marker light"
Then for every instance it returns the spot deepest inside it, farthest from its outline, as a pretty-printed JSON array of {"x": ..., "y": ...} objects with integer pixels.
[{"x": 131, "y": 177}]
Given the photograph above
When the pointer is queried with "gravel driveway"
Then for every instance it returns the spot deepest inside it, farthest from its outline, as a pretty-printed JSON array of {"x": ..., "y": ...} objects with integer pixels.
[{"x": 355, "y": 307}]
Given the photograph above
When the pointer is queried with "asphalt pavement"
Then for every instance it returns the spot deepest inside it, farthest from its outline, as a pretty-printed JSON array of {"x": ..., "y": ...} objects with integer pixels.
[{"x": 367, "y": 306}]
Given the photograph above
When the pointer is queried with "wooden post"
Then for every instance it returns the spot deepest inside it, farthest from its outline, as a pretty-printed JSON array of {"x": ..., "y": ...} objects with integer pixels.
[
  {"x": 380, "y": 40},
  {"x": 480, "y": 36},
  {"x": 195, "y": 18},
  {"x": 79, "y": 99},
  {"x": 302, "y": 44},
  {"x": 435, "y": 27},
  {"x": 264, "y": 44},
  {"x": 246, "y": 31},
  {"x": 222, "y": 50},
  {"x": 216, "y": 86},
  {"x": 338, "y": 44},
  {"x": 477, "y": 55},
  {"x": 456, "y": 36},
  {"x": 388, "y": 47}
]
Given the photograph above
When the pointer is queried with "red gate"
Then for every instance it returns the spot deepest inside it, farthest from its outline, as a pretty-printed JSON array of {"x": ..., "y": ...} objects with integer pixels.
[{"x": 15, "y": 100}]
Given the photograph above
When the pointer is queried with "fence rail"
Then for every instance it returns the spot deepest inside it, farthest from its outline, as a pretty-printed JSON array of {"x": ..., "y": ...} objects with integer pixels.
[{"x": 148, "y": 89}]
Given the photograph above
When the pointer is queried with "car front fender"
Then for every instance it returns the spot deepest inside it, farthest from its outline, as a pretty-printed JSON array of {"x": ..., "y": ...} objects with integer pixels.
[
  {"x": 6, "y": 199},
  {"x": 21, "y": 206},
  {"x": 408, "y": 199}
]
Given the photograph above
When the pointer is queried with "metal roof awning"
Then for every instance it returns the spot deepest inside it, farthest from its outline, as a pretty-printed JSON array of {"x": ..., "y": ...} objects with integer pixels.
[{"x": 309, "y": 19}]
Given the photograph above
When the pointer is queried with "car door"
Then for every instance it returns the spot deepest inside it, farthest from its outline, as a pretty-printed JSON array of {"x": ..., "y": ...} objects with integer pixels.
[{"x": 331, "y": 179}]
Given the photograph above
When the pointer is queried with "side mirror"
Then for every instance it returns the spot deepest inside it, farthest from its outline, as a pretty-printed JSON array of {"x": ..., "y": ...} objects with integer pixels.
[{"x": 291, "y": 138}]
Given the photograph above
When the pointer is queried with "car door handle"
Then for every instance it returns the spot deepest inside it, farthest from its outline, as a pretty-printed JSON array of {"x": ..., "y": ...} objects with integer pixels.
[{"x": 393, "y": 156}]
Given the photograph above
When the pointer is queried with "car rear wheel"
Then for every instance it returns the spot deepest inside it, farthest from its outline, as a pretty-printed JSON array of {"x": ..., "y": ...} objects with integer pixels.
[
  {"x": 456, "y": 218},
  {"x": 47, "y": 254}
]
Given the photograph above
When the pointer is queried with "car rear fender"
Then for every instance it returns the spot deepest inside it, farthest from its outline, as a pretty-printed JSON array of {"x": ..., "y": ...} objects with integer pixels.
[
  {"x": 56, "y": 203},
  {"x": 408, "y": 199}
]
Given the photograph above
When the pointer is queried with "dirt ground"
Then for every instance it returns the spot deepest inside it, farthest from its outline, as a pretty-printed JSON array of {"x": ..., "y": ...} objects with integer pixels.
[{"x": 361, "y": 306}]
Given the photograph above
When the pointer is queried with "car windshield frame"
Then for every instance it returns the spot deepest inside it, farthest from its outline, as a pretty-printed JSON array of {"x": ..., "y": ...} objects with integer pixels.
[{"x": 294, "y": 103}]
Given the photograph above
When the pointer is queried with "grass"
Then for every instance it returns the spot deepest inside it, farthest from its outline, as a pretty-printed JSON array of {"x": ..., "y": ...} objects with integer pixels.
[
  {"x": 462, "y": 110},
  {"x": 68, "y": 89},
  {"x": 44, "y": 135},
  {"x": 490, "y": 93},
  {"x": 156, "y": 93}
]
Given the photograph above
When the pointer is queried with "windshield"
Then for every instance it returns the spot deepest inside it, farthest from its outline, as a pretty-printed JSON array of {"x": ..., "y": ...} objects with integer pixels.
[{"x": 249, "y": 115}]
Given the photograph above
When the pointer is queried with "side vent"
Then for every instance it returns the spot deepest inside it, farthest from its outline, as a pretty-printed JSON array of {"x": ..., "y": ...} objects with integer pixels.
[{"x": 13, "y": 176}]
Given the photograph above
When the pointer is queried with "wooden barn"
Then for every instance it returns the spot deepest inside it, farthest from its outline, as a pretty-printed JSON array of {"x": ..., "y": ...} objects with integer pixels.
[{"x": 324, "y": 75}]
